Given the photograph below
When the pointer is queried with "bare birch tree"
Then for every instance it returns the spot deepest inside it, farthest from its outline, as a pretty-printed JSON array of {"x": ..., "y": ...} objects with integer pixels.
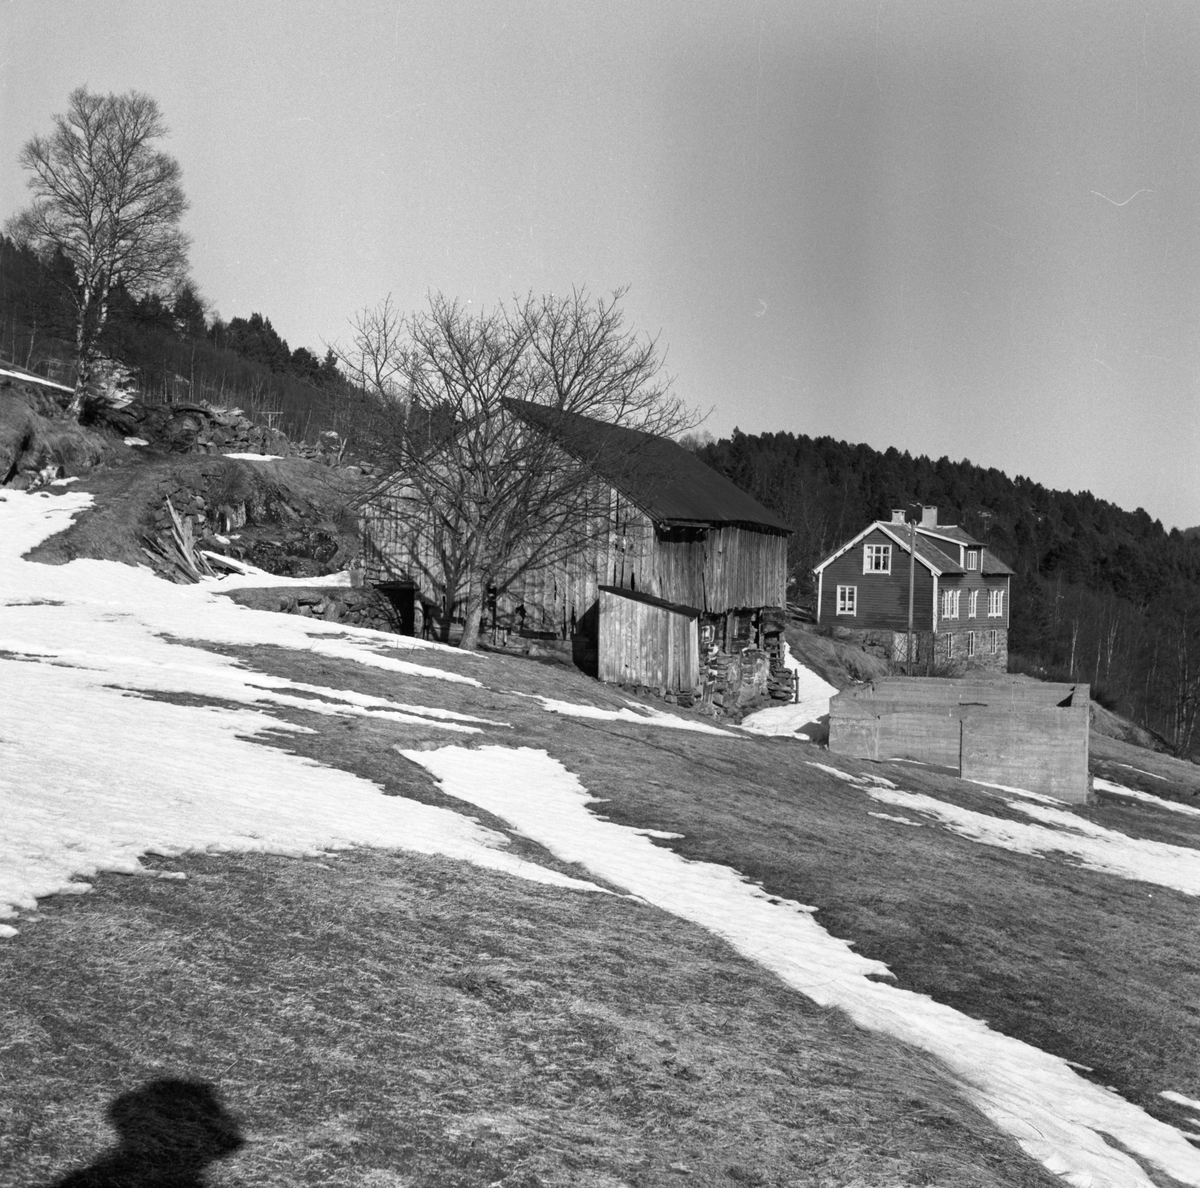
[{"x": 110, "y": 202}]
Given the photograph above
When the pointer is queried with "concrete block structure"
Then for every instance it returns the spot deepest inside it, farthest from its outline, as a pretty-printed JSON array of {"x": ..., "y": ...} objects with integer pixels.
[{"x": 1022, "y": 733}]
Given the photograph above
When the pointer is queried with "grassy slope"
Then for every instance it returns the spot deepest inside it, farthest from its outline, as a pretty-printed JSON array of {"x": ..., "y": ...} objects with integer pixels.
[{"x": 388, "y": 1020}]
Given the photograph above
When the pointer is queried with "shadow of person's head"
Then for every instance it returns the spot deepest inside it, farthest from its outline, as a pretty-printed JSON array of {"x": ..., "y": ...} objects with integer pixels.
[{"x": 169, "y": 1130}]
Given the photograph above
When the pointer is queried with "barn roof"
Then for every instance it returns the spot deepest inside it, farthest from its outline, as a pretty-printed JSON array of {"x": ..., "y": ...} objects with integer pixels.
[{"x": 669, "y": 483}]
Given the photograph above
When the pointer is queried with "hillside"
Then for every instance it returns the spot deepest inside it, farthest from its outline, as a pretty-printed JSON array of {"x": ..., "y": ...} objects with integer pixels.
[
  {"x": 420, "y": 917},
  {"x": 1100, "y": 594}
]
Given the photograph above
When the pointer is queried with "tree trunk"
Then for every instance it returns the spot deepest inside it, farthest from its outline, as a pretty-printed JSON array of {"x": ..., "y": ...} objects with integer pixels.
[{"x": 473, "y": 614}]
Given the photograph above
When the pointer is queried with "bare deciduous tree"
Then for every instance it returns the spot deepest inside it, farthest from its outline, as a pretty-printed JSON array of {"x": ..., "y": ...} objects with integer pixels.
[
  {"x": 110, "y": 202},
  {"x": 493, "y": 497}
]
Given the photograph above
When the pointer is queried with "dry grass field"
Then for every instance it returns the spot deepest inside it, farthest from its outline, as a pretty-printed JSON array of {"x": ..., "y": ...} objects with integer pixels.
[{"x": 379, "y": 1018}]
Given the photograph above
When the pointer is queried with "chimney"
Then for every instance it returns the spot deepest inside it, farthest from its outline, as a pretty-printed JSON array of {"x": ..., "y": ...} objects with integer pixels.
[
  {"x": 929, "y": 517},
  {"x": 897, "y": 515}
]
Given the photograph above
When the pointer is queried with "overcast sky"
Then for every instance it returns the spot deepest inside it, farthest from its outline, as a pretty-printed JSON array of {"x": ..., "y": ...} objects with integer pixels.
[{"x": 958, "y": 228}]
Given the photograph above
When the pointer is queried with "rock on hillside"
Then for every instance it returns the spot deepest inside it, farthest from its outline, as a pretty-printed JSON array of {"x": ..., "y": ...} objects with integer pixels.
[
  {"x": 151, "y": 466},
  {"x": 36, "y": 443}
]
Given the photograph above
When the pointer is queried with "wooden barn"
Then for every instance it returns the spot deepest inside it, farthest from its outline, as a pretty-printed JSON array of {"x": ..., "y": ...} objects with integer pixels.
[{"x": 684, "y": 586}]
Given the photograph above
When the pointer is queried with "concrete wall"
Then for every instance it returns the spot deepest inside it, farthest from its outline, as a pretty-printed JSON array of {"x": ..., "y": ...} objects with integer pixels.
[{"x": 1002, "y": 732}]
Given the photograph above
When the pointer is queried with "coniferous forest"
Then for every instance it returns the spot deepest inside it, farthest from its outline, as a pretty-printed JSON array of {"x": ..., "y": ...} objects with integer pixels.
[
  {"x": 1100, "y": 594},
  {"x": 179, "y": 350}
]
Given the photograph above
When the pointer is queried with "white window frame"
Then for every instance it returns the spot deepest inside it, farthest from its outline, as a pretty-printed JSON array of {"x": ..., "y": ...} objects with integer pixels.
[
  {"x": 970, "y": 644},
  {"x": 847, "y": 600},
  {"x": 972, "y": 558},
  {"x": 972, "y": 604},
  {"x": 950, "y": 600},
  {"x": 995, "y": 604},
  {"x": 948, "y": 649},
  {"x": 877, "y": 558},
  {"x": 995, "y": 642}
]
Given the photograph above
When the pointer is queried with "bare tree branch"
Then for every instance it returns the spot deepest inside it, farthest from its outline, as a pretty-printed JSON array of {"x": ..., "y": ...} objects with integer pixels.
[{"x": 485, "y": 495}]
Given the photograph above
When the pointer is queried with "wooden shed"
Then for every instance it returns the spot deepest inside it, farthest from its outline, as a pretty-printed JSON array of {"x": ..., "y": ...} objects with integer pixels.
[
  {"x": 683, "y": 551},
  {"x": 646, "y": 641}
]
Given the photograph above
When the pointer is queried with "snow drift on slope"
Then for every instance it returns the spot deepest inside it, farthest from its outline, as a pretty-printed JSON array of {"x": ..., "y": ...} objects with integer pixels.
[
  {"x": 94, "y": 773},
  {"x": 1056, "y": 1115}
]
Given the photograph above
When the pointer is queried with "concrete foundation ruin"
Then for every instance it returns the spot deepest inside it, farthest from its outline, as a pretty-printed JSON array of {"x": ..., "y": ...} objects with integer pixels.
[{"x": 1022, "y": 733}]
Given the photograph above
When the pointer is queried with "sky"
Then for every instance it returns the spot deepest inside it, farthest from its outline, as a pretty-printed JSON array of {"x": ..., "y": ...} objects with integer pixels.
[{"x": 958, "y": 228}]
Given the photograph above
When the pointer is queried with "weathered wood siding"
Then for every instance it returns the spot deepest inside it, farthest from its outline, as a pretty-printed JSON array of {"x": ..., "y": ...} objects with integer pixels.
[
  {"x": 882, "y": 597},
  {"x": 715, "y": 569},
  {"x": 645, "y": 644}
]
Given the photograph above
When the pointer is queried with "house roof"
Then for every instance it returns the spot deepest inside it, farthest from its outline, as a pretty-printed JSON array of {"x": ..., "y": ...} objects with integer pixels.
[
  {"x": 669, "y": 483},
  {"x": 989, "y": 564},
  {"x": 937, "y": 562},
  {"x": 950, "y": 532}
]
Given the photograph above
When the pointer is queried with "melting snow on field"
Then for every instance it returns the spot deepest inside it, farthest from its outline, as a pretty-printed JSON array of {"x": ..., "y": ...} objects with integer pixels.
[
  {"x": 631, "y": 712},
  {"x": 1060, "y": 833},
  {"x": 95, "y": 772},
  {"x": 800, "y": 718},
  {"x": 1171, "y": 806},
  {"x": 1056, "y": 1115}
]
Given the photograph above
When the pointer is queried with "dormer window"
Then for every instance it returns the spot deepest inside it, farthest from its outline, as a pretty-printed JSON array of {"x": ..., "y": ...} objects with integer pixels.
[
  {"x": 972, "y": 558},
  {"x": 877, "y": 558}
]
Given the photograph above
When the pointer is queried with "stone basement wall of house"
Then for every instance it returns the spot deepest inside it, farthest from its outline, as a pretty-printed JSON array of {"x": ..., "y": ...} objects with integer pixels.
[
  {"x": 929, "y": 649},
  {"x": 363, "y": 607}
]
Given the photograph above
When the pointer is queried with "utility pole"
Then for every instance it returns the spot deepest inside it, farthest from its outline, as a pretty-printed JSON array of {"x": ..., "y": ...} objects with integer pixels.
[{"x": 912, "y": 570}]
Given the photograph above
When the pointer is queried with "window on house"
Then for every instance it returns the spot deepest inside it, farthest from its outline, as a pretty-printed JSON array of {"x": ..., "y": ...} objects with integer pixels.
[
  {"x": 950, "y": 604},
  {"x": 972, "y": 558},
  {"x": 847, "y": 600},
  {"x": 948, "y": 647},
  {"x": 995, "y": 642},
  {"x": 970, "y": 644},
  {"x": 995, "y": 603},
  {"x": 877, "y": 558},
  {"x": 972, "y": 604}
]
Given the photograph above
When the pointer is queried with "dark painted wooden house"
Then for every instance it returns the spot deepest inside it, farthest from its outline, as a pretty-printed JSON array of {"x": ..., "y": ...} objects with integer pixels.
[
  {"x": 689, "y": 574},
  {"x": 960, "y": 593}
]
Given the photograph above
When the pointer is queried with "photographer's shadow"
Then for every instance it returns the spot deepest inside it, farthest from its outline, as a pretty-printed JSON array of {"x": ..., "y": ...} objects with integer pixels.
[{"x": 169, "y": 1131}]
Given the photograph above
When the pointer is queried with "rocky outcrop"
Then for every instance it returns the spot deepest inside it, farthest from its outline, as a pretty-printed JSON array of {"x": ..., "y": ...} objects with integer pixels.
[
  {"x": 362, "y": 607},
  {"x": 35, "y": 445},
  {"x": 195, "y": 429}
]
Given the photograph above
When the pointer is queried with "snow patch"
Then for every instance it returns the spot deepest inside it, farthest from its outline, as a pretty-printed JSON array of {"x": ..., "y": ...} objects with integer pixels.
[
  {"x": 632, "y": 712},
  {"x": 1141, "y": 771},
  {"x": 1133, "y": 793},
  {"x": 901, "y": 820},
  {"x": 1091, "y": 845},
  {"x": 136, "y": 441},
  {"x": 1057, "y": 1117},
  {"x": 1039, "y": 796},
  {"x": 1179, "y": 1099},
  {"x": 801, "y": 718},
  {"x": 97, "y": 769},
  {"x": 255, "y": 457}
]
